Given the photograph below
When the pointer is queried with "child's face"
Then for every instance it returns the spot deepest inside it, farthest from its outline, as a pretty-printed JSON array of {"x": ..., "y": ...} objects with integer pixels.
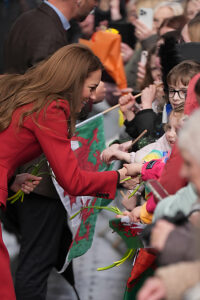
[
  {"x": 171, "y": 130},
  {"x": 177, "y": 95}
]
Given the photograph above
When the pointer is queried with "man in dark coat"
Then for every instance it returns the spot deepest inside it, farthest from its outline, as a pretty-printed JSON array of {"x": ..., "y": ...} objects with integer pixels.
[
  {"x": 38, "y": 33},
  {"x": 41, "y": 218}
]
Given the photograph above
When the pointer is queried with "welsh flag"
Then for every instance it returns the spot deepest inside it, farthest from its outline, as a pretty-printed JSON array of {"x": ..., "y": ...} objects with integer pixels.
[
  {"x": 144, "y": 259},
  {"x": 88, "y": 143}
]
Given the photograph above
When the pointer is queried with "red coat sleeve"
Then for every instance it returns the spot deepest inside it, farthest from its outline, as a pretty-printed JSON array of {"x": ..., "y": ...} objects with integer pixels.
[
  {"x": 152, "y": 169},
  {"x": 170, "y": 178},
  {"x": 52, "y": 134}
]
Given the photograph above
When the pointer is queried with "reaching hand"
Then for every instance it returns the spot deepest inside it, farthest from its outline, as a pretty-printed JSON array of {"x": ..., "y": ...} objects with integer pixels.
[
  {"x": 133, "y": 215},
  {"x": 125, "y": 146},
  {"x": 122, "y": 173},
  {"x": 148, "y": 96},
  {"x": 153, "y": 289},
  {"x": 127, "y": 106},
  {"x": 107, "y": 154},
  {"x": 126, "y": 52},
  {"x": 142, "y": 32},
  {"x": 133, "y": 169},
  {"x": 110, "y": 154},
  {"x": 25, "y": 182}
]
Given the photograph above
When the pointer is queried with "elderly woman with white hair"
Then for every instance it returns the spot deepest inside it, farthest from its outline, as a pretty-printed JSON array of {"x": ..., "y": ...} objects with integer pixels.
[
  {"x": 171, "y": 282},
  {"x": 165, "y": 10}
]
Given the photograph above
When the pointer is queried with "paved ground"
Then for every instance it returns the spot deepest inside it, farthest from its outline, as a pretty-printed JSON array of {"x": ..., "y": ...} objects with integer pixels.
[
  {"x": 106, "y": 248},
  {"x": 92, "y": 284}
]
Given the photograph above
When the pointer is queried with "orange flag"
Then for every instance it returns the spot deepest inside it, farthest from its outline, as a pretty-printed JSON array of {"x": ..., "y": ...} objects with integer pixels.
[{"x": 106, "y": 45}]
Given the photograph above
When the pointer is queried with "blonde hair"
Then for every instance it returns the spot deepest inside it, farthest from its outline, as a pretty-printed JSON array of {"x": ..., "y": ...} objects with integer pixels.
[
  {"x": 176, "y": 7},
  {"x": 61, "y": 76},
  {"x": 176, "y": 114}
]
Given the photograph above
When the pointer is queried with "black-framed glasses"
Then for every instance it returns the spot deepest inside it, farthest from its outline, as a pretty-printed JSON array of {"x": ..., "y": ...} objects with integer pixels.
[{"x": 181, "y": 93}]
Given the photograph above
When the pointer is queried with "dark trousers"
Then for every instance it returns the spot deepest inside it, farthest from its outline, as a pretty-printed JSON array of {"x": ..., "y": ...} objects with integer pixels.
[{"x": 45, "y": 239}]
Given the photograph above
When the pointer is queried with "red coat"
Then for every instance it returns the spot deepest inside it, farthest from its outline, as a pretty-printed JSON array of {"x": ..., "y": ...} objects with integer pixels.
[
  {"x": 46, "y": 134},
  {"x": 20, "y": 145}
]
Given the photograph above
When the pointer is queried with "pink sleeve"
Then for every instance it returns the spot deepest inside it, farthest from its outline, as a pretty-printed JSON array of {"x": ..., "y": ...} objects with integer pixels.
[
  {"x": 152, "y": 169},
  {"x": 170, "y": 178},
  {"x": 151, "y": 204}
]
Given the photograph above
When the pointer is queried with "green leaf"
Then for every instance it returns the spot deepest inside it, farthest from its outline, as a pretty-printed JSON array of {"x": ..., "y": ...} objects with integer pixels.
[
  {"x": 135, "y": 190},
  {"x": 109, "y": 208},
  {"x": 128, "y": 255}
]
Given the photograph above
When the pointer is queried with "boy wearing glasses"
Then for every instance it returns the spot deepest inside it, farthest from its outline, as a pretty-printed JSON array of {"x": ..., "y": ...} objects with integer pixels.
[{"x": 178, "y": 80}]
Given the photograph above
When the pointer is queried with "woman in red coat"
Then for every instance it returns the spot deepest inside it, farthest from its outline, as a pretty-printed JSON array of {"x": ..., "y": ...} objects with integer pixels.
[{"x": 38, "y": 114}]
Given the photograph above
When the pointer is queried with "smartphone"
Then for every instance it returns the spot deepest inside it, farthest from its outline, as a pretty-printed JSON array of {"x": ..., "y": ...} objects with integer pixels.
[
  {"x": 146, "y": 16},
  {"x": 143, "y": 58},
  {"x": 157, "y": 189}
]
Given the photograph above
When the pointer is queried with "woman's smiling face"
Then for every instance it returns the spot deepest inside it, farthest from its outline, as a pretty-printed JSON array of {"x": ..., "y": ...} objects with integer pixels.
[{"x": 90, "y": 85}]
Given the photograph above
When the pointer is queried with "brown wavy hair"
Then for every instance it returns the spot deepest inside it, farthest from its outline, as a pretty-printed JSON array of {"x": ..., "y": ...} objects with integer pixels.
[
  {"x": 61, "y": 76},
  {"x": 183, "y": 72}
]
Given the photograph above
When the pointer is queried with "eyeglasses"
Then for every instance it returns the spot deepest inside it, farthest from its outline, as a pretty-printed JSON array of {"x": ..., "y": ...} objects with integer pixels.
[{"x": 181, "y": 93}]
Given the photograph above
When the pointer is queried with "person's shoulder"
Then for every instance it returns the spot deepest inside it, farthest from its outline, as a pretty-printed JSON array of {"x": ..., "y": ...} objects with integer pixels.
[
  {"x": 53, "y": 110},
  {"x": 57, "y": 107},
  {"x": 41, "y": 16},
  {"x": 59, "y": 104}
]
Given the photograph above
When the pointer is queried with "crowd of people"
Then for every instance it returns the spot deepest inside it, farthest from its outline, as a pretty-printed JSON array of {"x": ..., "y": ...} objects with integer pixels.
[{"x": 49, "y": 81}]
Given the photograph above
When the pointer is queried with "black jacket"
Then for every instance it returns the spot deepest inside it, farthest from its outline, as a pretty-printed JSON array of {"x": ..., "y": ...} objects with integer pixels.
[{"x": 35, "y": 35}]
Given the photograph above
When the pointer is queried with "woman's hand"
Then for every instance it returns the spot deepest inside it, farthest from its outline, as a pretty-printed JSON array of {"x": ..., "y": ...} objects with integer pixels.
[
  {"x": 127, "y": 106},
  {"x": 142, "y": 32},
  {"x": 148, "y": 96},
  {"x": 122, "y": 173},
  {"x": 25, "y": 182}
]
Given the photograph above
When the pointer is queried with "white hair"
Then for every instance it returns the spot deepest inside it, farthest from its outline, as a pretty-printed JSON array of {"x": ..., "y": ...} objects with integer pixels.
[
  {"x": 189, "y": 135},
  {"x": 176, "y": 7}
]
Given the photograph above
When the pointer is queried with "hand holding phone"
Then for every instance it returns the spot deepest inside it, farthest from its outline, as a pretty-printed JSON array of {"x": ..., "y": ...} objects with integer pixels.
[
  {"x": 143, "y": 58},
  {"x": 146, "y": 16},
  {"x": 144, "y": 24}
]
